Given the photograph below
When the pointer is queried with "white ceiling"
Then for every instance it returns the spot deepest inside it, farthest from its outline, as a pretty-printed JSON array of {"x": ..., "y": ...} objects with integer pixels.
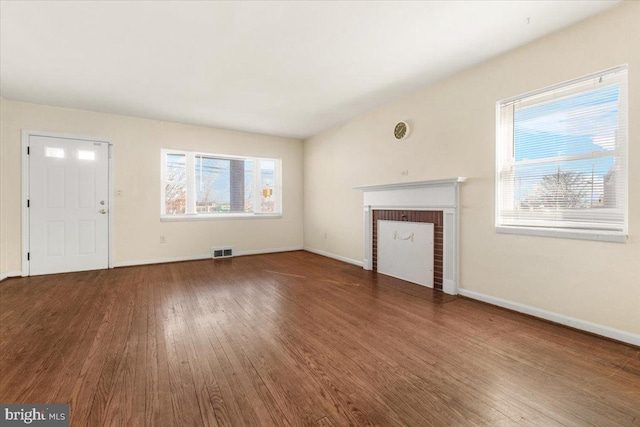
[{"x": 279, "y": 68}]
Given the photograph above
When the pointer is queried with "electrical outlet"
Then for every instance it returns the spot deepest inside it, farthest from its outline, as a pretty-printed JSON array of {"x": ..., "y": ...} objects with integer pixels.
[
  {"x": 405, "y": 172},
  {"x": 162, "y": 239},
  {"x": 118, "y": 193}
]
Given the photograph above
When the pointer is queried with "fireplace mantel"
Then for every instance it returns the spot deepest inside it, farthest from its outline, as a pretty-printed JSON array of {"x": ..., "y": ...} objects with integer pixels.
[
  {"x": 439, "y": 195},
  {"x": 397, "y": 185}
]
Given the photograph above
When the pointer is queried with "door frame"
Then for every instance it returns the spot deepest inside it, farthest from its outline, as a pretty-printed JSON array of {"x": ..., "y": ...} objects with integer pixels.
[{"x": 26, "y": 134}]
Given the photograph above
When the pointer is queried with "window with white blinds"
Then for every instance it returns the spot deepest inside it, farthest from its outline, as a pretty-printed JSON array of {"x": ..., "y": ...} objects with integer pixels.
[{"x": 561, "y": 166}]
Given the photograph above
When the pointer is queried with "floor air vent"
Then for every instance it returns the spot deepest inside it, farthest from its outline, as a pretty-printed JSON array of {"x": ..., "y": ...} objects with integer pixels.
[{"x": 221, "y": 252}]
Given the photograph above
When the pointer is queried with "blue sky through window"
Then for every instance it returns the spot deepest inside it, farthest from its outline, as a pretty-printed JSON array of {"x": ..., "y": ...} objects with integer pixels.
[{"x": 570, "y": 126}]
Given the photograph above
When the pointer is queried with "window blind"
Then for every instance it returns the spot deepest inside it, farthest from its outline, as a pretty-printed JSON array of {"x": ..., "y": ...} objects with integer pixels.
[{"x": 562, "y": 156}]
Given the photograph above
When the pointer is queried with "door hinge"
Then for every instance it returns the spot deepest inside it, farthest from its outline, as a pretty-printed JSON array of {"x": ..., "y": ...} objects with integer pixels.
[
  {"x": 28, "y": 150},
  {"x": 28, "y": 256},
  {"x": 28, "y": 203}
]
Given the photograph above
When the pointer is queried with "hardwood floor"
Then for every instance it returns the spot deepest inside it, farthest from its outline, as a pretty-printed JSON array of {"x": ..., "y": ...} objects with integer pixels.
[{"x": 297, "y": 339}]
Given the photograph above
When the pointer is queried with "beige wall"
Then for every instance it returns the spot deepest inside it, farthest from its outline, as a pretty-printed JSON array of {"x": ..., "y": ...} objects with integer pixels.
[
  {"x": 137, "y": 226},
  {"x": 4, "y": 224},
  {"x": 454, "y": 135}
]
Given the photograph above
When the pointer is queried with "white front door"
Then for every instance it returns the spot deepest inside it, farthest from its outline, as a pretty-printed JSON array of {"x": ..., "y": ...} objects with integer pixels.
[{"x": 68, "y": 205}]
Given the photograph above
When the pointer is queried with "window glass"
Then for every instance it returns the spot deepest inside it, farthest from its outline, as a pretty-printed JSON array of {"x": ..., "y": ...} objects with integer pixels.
[
  {"x": 267, "y": 185},
  {"x": 86, "y": 155},
  {"x": 249, "y": 185},
  {"x": 55, "y": 152},
  {"x": 555, "y": 132},
  {"x": 175, "y": 192},
  {"x": 211, "y": 184},
  {"x": 562, "y": 157}
]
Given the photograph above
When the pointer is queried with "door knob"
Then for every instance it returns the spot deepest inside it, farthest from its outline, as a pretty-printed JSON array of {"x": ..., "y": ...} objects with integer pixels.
[{"x": 103, "y": 211}]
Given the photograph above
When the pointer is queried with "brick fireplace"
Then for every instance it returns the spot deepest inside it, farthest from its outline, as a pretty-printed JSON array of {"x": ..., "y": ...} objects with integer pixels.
[{"x": 436, "y": 202}]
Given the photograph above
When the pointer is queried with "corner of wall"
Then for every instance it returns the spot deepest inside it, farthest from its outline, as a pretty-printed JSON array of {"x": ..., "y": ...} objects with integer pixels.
[{"x": 3, "y": 226}]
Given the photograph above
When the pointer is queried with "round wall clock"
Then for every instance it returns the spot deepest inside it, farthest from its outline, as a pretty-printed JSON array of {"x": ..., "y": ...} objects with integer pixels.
[{"x": 401, "y": 131}]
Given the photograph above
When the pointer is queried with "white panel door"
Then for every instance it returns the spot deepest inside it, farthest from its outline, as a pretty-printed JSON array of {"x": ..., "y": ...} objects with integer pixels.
[
  {"x": 68, "y": 205},
  {"x": 405, "y": 251}
]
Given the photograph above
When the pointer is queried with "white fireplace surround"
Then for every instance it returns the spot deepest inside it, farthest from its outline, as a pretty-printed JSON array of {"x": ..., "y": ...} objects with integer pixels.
[{"x": 436, "y": 195}]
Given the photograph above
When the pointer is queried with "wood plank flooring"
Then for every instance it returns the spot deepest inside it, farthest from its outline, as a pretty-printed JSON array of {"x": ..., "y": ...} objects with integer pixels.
[{"x": 297, "y": 339}]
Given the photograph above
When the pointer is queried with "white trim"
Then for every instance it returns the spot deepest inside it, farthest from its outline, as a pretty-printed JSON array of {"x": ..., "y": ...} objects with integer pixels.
[
  {"x": 162, "y": 260},
  {"x": 205, "y": 256},
  {"x": 25, "y": 196},
  {"x": 26, "y": 134},
  {"x": 334, "y": 256},
  {"x": 600, "y": 236},
  {"x": 414, "y": 184},
  {"x": 218, "y": 217},
  {"x": 584, "y": 325},
  {"x": 450, "y": 249},
  {"x": 10, "y": 274},
  {"x": 268, "y": 251},
  {"x": 66, "y": 136},
  {"x": 367, "y": 257},
  {"x": 567, "y": 84},
  {"x": 410, "y": 207},
  {"x": 111, "y": 196}
]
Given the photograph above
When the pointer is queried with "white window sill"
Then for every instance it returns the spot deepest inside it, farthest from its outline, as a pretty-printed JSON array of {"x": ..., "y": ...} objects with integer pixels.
[
  {"x": 214, "y": 217},
  {"x": 597, "y": 235}
]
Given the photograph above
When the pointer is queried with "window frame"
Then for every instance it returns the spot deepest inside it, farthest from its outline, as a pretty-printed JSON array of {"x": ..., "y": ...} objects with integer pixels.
[
  {"x": 191, "y": 213},
  {"x": 505, "y": 159}
]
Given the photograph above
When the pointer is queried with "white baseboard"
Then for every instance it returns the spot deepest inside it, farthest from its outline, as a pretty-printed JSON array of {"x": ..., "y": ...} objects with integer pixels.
[
  {"x": 334, "y": 256},
  {"x": 8, "y": 274},
  {"x": 583, "y": 325},
  {"x": 160, "y": 260},
  {"x": 205, "y": 256},
  {"x": 268, "y": 251}
]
